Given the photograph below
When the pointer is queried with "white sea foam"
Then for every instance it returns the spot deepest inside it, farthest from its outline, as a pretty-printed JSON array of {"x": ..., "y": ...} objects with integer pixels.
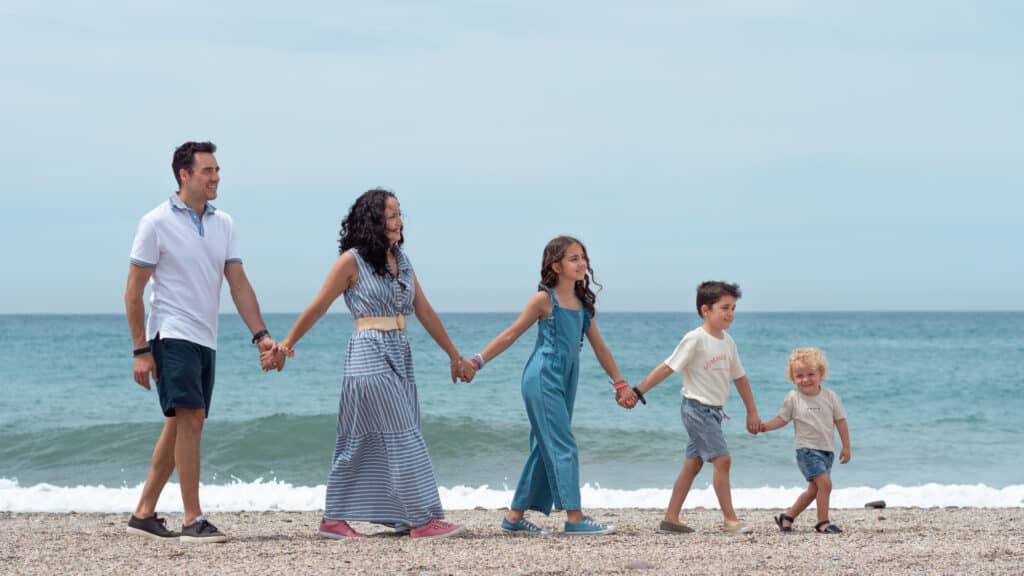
[{"x": 273, "y": 495}]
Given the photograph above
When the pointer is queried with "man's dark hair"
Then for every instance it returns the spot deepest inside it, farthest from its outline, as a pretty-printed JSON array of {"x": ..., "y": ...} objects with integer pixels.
[
  {"x": 185, "y": 155},
  {"x": 713, "y": 291}
]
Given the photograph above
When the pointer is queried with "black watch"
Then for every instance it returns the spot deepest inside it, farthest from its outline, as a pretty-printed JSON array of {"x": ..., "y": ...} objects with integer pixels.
[{"x": 259, "y": 335}]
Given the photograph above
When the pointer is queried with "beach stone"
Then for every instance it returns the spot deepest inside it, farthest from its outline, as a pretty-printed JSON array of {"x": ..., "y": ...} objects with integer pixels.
[
  {"x": 639, "y": 565},
  {"x": 875, "y": 504}
]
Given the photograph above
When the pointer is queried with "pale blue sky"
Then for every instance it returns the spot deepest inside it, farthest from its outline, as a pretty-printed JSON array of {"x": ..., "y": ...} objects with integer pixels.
[{"x": 824, "y": 155}]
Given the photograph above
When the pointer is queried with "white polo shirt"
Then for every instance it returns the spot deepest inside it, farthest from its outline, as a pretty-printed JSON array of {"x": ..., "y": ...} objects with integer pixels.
[
  {"x": 187, "y": 255},
  {"x": 707, "y": 365}
]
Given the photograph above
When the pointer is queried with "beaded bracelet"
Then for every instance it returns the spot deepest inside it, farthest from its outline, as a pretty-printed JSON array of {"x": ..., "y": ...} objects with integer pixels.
[
  {"x": 619, "y": 385},
  {"x": 478, "y": 361}
]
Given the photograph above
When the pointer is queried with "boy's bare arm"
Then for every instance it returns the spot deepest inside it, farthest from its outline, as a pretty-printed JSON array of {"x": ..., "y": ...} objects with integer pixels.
[
  {"x": 844, "y": 436},
  {"x": 753, "y": 420},
  {"x": 657, "y": 376}
]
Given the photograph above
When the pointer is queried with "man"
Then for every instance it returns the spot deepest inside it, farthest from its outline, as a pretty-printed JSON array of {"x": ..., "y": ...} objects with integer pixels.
[{"x": 187, "y": 248}]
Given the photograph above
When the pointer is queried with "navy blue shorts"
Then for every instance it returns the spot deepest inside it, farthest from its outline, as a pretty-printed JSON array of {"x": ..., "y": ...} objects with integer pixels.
[
  {"x": 184, "y": 373},
  {"x": 813, "y": 462}
]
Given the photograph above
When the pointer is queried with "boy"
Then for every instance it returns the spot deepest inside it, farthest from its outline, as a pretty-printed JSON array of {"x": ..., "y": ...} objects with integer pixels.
[
  {"x": 707, "y": 359},
  {"x": 816, "y": 412}
]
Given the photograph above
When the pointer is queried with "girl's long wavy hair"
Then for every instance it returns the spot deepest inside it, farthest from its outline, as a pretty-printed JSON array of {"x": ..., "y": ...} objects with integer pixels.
[
  {"x": 365, "y": 228},
  {"x": 554, "y": 252}
]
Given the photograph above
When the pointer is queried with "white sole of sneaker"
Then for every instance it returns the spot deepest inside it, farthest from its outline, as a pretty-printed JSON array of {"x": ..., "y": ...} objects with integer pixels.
[
  {"x": 458, "y": 530},
  {"x": 333, "y": 536},
  {"x": 203, "y": 539},
  {"x": 150, "y": 535},
  {"x": 610, "y": 530},
  {"x": 525, "y": 533}
]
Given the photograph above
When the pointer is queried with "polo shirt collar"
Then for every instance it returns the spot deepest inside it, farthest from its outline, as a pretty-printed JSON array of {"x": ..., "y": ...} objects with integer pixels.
[{"x": 177, "y": 203}]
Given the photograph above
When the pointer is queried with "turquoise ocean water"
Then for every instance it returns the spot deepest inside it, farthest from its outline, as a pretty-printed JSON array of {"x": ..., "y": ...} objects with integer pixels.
[{"x": 933, "y": 401}]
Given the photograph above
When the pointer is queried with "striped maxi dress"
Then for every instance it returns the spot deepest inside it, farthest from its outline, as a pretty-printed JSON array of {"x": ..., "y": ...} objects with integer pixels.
[{"x": 381, "y": 471}]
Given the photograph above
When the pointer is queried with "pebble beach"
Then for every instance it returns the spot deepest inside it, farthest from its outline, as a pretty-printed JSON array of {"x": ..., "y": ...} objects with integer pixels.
[{"x": 886, "y": 541}]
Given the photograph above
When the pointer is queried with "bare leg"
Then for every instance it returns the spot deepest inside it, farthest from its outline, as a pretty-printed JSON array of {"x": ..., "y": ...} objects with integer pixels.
[
  {"x": 186, "y": 456},
  {"x": 681, "y": 488},
  {"x": 573, "y": 515},
  {"x": 824, "y": 484},
  {"x": 802, "y": 502},
  {"x": 720, "y": 481},
  {"x": 160, "y": 469}
]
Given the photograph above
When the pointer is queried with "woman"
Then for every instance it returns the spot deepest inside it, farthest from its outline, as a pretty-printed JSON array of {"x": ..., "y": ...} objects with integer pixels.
[{"x": 381, "y": 471}]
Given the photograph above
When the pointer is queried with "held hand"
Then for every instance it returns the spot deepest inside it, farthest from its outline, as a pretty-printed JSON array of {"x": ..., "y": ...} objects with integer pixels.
[
  {"x": 456, "y": 369},
  {"x": 271, "y": 356},
  {"x": 143, "y": 366},
  {"x": 844, "y": 455},
  {"x": 276, "y": 356},
  {"x": 753, "y": 423},
  {"x": 269, "y": 360},
  {"x": 763, "y": 427},
  {"x": 466, "y": 371},
  {"x": 626, "y": 397}
]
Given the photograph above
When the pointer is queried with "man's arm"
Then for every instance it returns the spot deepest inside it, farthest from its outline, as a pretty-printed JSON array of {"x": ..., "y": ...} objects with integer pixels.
[
  {"x": 249, "y": 308},
  {"x": 135, "y": 308}
]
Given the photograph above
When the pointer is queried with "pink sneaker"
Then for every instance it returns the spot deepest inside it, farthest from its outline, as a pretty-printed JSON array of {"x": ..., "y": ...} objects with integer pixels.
[
  {"x": 339, "y": 530},
  {"x": 435, "y": 529}
]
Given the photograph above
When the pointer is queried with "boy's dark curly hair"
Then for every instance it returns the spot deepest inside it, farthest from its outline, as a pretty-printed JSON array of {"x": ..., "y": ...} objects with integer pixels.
[{"x": 365, "y": 228}]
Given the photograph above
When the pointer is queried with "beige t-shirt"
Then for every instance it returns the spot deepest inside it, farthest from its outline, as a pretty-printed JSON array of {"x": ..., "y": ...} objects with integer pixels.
[
  {"x": 814, "y": 418},
  {"x": 707, "y": 365}
]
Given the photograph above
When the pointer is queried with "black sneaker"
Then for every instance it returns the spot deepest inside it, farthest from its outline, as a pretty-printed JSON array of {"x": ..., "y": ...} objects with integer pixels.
[
  {"x": 202, "y": 532},
  {"x": 153, "y": 527}
]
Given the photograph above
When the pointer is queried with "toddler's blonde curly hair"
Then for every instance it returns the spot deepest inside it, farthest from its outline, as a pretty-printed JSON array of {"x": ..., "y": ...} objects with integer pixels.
[{"x": 808, "y": 357}]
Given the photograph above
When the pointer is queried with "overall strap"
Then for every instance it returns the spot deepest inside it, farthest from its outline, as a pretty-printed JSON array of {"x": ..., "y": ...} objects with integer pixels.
[{"x": 551, "y": 295}]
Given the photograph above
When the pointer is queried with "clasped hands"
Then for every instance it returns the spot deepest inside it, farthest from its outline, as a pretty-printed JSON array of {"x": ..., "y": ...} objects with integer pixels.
[
  {"x": 626, "y": 397},
  {"x": 462, "y": 370},
  {"x": 273, "y": 355}
]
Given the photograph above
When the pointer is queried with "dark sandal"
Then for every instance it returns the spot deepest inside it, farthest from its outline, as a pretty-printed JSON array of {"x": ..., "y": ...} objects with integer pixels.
[
  {"x": 832, "y": 528},
  {"x": 783, "y": 518}
]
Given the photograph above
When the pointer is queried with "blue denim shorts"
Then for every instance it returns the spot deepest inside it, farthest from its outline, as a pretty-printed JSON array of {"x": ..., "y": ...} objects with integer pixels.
[
  {"x": 814, "y": 462},
  {"x": 704, "y": 425}
]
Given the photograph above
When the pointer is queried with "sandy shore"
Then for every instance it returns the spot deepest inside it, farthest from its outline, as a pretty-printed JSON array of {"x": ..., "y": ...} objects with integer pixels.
[{"x": 891, "y": 541}]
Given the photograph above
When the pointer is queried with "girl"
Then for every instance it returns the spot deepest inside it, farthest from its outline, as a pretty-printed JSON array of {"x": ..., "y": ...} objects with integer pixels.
[
  {"x": 564, "y": 308},
  {"x": 381, "y": 471}
]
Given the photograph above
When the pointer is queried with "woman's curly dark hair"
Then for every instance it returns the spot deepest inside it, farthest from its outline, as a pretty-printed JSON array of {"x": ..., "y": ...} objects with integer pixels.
[
  {"x": 554, "y": 252},
  {"x": 365, "y": 228}
]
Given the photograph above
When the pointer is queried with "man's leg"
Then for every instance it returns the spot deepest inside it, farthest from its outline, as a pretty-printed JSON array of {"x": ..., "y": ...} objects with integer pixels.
[
  {"x": 160, "y": 469},
  {"x": 186, "y": 457}
]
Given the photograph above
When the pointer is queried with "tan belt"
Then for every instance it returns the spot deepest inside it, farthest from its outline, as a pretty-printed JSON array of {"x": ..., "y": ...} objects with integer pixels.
[{"x": 382, "y": 323}]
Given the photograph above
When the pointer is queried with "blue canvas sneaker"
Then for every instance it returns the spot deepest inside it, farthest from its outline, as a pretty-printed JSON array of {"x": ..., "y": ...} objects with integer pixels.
[
  {"x": 587, "y": 527},
  {"x": 523, "y": 526}
]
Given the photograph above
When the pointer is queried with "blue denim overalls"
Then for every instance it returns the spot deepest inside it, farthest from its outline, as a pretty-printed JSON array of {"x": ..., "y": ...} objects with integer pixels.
[{"x": 551, "y": 475}]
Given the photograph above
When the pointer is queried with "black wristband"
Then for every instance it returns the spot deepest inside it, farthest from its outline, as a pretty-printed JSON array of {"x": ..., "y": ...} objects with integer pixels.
[
  {"x": 141, "y": 351},
  {"x": 259, "y": 335},
  {"x": 639, "y": 395}
]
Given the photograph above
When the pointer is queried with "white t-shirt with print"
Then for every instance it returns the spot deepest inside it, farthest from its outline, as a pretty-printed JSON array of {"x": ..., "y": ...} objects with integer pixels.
[
  {"x": 707, "y": 364},
  {"x": 814, "y": 418}
]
